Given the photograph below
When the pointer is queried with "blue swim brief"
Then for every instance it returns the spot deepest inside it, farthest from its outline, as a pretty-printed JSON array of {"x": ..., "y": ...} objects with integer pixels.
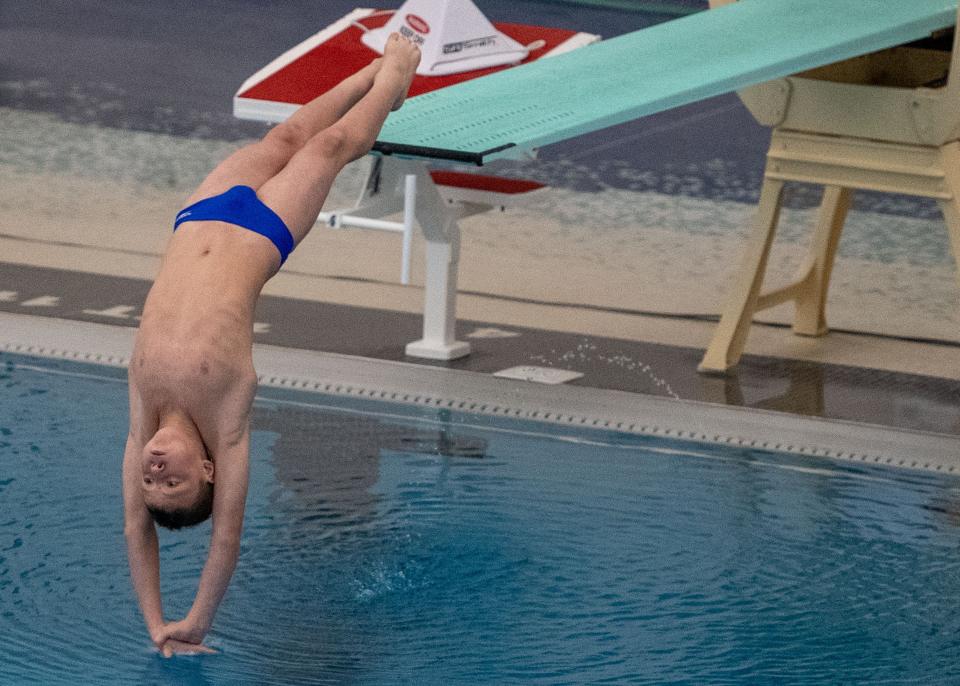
[{"x": 241, "y": 206}]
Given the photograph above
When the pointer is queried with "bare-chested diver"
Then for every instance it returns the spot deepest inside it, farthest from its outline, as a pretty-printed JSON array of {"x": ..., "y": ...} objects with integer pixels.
[{"x": 192, "y": 380}]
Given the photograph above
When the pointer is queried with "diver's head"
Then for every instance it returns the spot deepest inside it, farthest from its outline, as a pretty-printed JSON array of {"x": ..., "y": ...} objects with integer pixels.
[{"x": 177, "y": 477}]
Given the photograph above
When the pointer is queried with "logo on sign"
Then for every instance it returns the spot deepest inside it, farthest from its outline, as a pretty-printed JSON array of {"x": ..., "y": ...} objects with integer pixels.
[
  {"x": 469, "y": 44},
  {"x": 418, "y": 24}
]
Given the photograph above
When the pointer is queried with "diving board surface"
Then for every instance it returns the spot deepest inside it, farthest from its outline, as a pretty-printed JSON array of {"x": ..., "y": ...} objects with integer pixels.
[{"x": 651, "y": 70}]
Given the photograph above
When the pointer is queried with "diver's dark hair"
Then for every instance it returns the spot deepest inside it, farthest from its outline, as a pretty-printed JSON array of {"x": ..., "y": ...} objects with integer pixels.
[{"x": 186, "y": 516}]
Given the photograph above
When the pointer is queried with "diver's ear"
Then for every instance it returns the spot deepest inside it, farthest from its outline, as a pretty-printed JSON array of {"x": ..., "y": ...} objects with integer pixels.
[{"x": 207, "y": 466}]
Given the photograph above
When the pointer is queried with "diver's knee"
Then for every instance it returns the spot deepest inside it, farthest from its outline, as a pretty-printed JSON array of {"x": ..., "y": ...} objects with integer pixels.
[
  {"x": 333, "y": 144},
  {"x": 287, "y": 137}
]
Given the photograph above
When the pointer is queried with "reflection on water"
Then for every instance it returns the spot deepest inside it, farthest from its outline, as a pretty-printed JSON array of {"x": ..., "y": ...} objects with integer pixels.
[{"x": 328, "y": 463}]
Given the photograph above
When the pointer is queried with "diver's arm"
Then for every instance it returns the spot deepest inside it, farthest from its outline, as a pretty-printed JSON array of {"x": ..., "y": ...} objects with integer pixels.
[
  {"x": 224, "y": 424},
  {"x": 231, "y": 474},
  {"x": 142, "y": 547},
  {"x": 229, "y": 497}
]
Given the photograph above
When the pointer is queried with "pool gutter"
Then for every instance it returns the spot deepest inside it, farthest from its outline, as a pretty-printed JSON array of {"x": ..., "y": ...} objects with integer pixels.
[{"x": 485, "y": 394}]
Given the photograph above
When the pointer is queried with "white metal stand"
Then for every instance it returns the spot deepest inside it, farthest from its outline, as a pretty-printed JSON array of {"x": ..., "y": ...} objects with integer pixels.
[
  {"x": 338, "y": 220},
  {"x": 396, "y": 185}
]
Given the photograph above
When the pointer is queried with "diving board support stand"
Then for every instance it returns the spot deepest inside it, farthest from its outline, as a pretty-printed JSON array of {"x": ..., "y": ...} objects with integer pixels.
[
  {"x": 357, "y": 219},
  {"x": 440, "y": 295},
  {"x": 441, "y": 232},
  {"x": 396, "y": 185},
  {"x": 436, "y": 199}
]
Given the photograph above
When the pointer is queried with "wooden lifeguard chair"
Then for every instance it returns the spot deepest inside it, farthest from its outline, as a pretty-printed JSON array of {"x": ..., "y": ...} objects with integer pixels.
[{"x": 886, "y": 121}]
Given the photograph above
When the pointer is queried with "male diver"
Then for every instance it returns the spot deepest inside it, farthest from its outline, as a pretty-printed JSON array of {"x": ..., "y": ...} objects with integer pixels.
[{"x": 191, "y": 374}]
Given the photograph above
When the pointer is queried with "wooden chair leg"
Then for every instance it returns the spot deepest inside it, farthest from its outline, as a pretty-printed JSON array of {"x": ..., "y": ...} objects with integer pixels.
[
  {"x": 730, "y": 336},
  {"x": 951, "y": 213},
  {"x": 951, "y": 208},
  {"x": 815, "y": 273}
]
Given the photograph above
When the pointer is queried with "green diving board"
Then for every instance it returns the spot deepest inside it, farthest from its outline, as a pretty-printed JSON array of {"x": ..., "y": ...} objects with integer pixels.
[{"x": 648, "y": 71}]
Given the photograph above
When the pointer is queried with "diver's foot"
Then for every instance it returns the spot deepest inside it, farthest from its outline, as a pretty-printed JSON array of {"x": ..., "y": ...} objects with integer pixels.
[{"x": 401, "y": 57}]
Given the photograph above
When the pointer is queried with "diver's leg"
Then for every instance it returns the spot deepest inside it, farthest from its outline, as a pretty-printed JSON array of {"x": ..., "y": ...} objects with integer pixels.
[
  {"x": 254, "y": 164},
  {"x": 298, "y": 191}
]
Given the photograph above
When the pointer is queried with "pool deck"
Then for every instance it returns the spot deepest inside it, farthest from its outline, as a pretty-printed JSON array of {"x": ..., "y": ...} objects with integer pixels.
[
  {"x": 803, "y": 377},
  {"x": 616, "y": 272}
]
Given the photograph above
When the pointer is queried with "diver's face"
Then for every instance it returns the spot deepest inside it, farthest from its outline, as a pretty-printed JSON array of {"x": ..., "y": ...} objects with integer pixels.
[{"x": 173, "y": 470}]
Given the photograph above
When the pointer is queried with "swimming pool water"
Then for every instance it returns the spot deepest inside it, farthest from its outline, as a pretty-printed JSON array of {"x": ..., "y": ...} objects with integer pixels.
[{"x": 388, "y": 544}]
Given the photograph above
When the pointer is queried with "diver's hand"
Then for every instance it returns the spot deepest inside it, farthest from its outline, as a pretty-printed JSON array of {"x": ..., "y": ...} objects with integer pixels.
[
  {"x": 157, "y": 636},
  {"x": 187, "y": 630},
  {"x": 181, "y": 638},
  {"x": 174, "y": 647}
]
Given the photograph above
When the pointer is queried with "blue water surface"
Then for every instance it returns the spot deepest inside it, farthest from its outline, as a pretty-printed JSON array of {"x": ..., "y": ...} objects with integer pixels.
[{"x": 389, "y": 545}]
